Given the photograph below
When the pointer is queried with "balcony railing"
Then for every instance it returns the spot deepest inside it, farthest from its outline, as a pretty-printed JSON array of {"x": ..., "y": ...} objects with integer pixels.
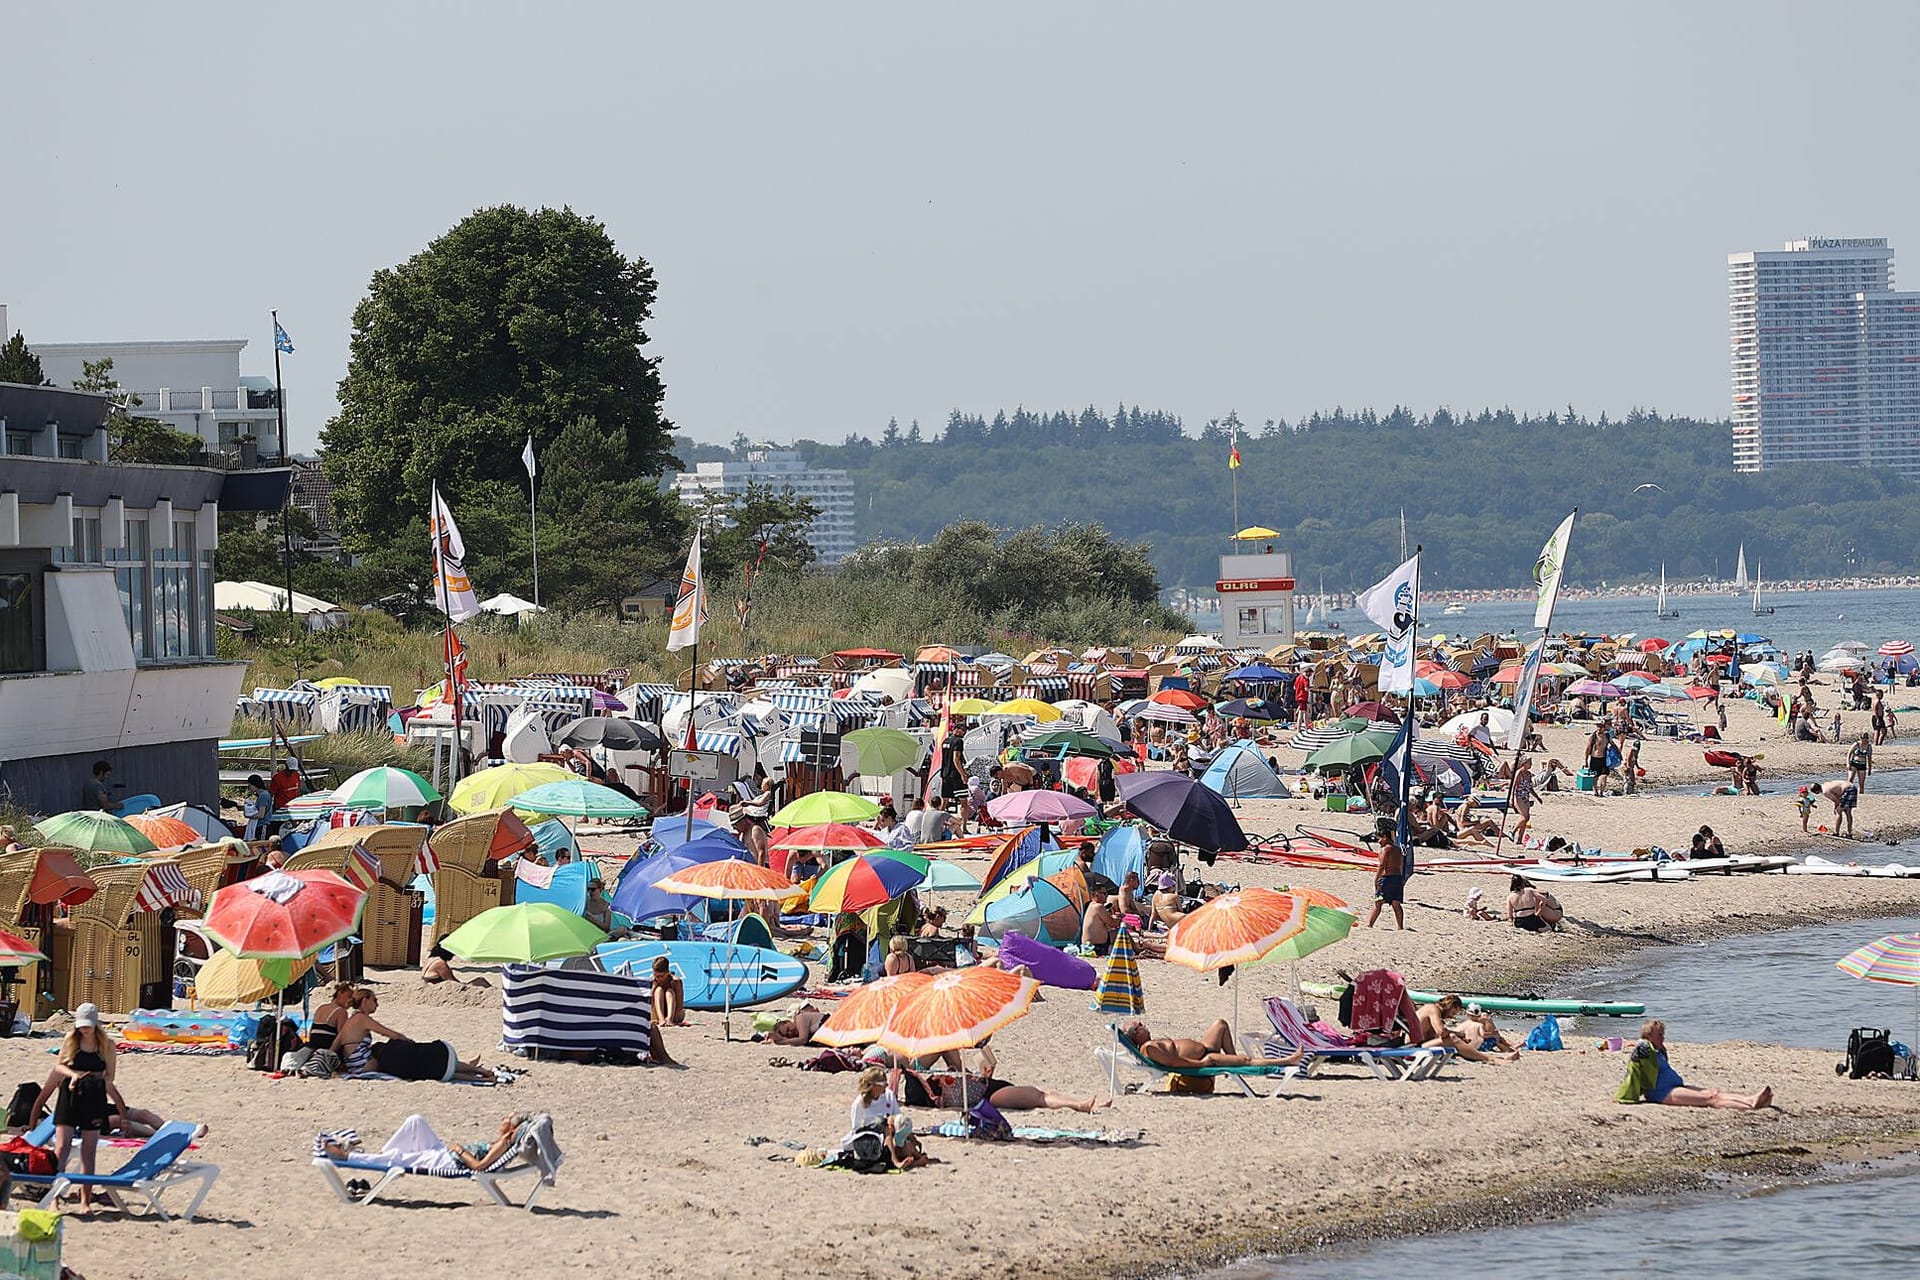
[{"x": 204, "y": 400}]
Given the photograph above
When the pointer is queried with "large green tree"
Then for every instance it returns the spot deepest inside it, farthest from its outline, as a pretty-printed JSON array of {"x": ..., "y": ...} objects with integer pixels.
[
  {"x": 19, "y": 364},
  {"x": 515, "y": 323}
]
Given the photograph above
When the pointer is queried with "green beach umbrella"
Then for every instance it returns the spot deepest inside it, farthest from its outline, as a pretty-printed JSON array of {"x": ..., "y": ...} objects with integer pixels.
[
  {"x": 578, "y": 798},
  {"x": 94, "y": 831},
  {"x": 885, "y": 751},
  {"x": 1071, "y": 742},
  {"x": 825, "y": 806},
  {"x": 525, "y": 933},
  {"x": 1350, "y": 752},
  {"x": 942, "y": 874},
  {"x": 385, "y": 787},
  {"x": 1325, "y": 926}
]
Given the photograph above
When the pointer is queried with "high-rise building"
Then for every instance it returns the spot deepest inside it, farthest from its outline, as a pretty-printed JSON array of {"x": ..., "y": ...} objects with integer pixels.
[
  {"x": 832, "y": 533},
  {"x": 1826, "y": 357}
]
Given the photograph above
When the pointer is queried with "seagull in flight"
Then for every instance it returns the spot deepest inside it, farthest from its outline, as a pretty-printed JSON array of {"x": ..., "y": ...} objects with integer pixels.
[{"x": 1642, "y": 488}]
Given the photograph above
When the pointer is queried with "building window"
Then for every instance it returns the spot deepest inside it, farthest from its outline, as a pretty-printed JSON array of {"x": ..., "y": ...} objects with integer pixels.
[
  {"x": 232, "y": 433},
  {"x": 20, "y": 625},
  {"x": 70, "y": 447},
  {"x": 20, "y": 443}
]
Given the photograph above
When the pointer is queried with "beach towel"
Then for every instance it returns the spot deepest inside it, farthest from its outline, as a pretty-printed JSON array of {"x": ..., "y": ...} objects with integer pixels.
[
  {"x": 1030, "y": 1133},
  {"x": 1380, "y": 1003},
  {"x": 535, "y": 1144},
  {"x": 1643, "y": 1072}
]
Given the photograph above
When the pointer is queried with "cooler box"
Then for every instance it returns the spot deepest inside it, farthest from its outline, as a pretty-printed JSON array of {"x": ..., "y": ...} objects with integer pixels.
[
  {"x": 1336, "y": 804},
  {"x": 1583, "y": 780}
]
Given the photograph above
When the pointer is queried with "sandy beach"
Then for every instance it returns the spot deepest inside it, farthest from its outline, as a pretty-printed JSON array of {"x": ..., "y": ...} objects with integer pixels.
[{"x": 663, "y": 1172}]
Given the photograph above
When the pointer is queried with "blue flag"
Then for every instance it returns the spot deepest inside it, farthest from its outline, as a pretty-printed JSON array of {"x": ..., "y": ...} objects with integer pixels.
[
  {"x": 281, "y": 342},
  {"x": 1400, "y": 754}
]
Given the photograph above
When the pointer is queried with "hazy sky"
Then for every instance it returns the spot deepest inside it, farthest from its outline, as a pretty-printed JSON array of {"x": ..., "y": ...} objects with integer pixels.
[{"x": 864, "y": 211}]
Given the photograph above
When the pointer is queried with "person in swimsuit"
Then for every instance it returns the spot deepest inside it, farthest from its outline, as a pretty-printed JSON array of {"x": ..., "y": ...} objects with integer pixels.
[
  {"x": 1432, "y": 1030},
  {"x": 962, "y": 1090},
  {"x": 1390, "y": 881},
  {"x": 1214, "y": 1048},
  {"x": 1651, "y": 1078},
  {"x": 88, "y": 1095},
  {"x": 358, "y": 1052},
  {"x": 1534, "y": 910},
  {"x": 416, "y": 1146}
]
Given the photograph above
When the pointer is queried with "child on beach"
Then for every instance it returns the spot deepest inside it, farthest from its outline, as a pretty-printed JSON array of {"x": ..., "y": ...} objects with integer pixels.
[{"x": 1805, "y": 805}]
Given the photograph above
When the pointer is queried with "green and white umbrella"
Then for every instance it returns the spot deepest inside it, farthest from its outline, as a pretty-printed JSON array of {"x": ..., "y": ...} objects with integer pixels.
[
  {"x": 384, "y": 787},
  {"x": 578, "y": 798},
  {"x": 884, "y": 751},
  {"x": 95, "y": 831}
]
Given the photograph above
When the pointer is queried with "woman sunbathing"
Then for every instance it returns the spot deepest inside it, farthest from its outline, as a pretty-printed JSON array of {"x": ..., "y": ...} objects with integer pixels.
[
  {"x": 1431, "y": 1030},
  {"x": 414, "y": 1145},
  {"x": 958, "y": 1092},
  {"x": 1650, "y": 1078},
  {"x": 399, "y": 1056}
]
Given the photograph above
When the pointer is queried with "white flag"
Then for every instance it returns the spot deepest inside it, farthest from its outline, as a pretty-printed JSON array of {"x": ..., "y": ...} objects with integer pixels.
[
  {"x": 1546, "y": 571},
  {"x": 526, "y": 456},
  {"x": 451, "y": 589},
  {"x": 1523, "y": 696},
  {"x": 690, "y": 609},
  {"x": 1391, "y": 604}
]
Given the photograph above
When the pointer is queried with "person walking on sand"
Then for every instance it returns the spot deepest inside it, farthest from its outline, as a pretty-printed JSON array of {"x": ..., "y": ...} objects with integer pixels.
[
  {"x": 1390, "y": 881},
  {"x": 1860, "y": 761},
  {"x": 1521, "y": 795},
  {"x": 1650, "y": 1078}
]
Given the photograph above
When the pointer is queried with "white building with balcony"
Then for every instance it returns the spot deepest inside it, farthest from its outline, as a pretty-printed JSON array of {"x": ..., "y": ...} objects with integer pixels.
[
  {"x": 193, "y": 386},
  {"x": 832, "y": 534},
  {"x": 1826, "y": 357},
  {"x": 106, "y": 608}
]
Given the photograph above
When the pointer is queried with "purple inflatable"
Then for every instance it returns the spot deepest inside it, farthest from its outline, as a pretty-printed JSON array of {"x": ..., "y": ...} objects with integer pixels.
[{"x": 1052, "y": 968}]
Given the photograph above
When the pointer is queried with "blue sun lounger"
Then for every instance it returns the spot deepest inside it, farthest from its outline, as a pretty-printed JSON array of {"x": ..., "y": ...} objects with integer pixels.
[
  {"x": 153, "y": 1170},
  {"x": 1125, "y": 1053}
]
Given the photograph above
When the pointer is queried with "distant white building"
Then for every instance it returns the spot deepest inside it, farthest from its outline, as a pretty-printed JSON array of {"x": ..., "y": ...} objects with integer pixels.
[
  {"x": 832, "y": 533},
  {"x": 1826, "y": 357},
  {"x": 193, "y": 386}
]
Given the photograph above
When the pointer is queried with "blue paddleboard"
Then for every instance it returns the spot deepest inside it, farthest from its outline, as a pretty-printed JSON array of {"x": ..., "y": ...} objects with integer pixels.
[{"x": 712, "y": 977}]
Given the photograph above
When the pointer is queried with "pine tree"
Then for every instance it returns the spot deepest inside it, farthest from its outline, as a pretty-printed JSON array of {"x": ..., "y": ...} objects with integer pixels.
[{"x": 18, "y": 364}]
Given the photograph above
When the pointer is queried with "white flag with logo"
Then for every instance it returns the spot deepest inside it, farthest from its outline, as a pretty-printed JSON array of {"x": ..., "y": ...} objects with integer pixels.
[
  {"x": 1523, "y": 696},
  {"x": 1547, "y": 569},
  {"x": 451, "y": 589},
  {"x": 1390, "y": 603},
  {"x": 690, "y": 609},
  {"x": 526, "y": 456}
]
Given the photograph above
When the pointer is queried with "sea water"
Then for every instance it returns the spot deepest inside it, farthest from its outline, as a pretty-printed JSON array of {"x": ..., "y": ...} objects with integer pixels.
[
  {"x": 1776, "y": 987},
  {"x": 1815, "y": 620}
]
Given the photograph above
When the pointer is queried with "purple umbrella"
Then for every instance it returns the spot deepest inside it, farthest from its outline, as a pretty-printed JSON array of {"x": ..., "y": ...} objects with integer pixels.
[
  {"x": 604, "y": 701},
  {"x": 1039, "y": 806},
  {"x": 1595, "y": 689},
  {"x": 1186, "y": 810}
]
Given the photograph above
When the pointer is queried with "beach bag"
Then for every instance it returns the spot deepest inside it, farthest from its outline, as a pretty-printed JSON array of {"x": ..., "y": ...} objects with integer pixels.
[
  {"x": 20, "y": 1107},
  {"x": 1869, "y": 1053},
  {"x": 1546, "y": 1036},
  {"x": 985, "y": 1121},
  {"x": 1613, "y": 757},
  {"x": 22, "y": 1156},
  {"x": 864, "y": 1152}
]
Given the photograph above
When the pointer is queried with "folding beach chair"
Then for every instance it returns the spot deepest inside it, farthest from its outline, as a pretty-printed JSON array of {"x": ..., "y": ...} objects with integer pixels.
[
  {"x": 489, "y": 1180},
  {"x": 1125, "y": 1053},
  {"x": 1293, "y": 1031},
  {"x": 154, "y": 1170}
]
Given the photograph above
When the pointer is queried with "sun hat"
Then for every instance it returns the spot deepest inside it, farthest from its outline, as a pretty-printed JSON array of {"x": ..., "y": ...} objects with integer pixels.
[
  {"x": 87, "y": 1015},
  {"x": 1169, "y": 881}
]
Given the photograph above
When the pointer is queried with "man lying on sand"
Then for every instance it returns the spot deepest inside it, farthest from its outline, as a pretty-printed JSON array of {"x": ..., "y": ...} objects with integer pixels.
[{"x": 1214, "y": 1048}]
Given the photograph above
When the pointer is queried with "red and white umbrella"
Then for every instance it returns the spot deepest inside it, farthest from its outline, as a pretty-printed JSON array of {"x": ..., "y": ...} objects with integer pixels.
[{"x": 1895, "y": 649}]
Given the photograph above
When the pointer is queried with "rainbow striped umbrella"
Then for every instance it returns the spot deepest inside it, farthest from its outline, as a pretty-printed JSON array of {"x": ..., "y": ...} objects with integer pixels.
[
  {"x": 1119, "y": 990},
  {"x": 1894, "y": 959},
  {"x": 867, "y": 881}
]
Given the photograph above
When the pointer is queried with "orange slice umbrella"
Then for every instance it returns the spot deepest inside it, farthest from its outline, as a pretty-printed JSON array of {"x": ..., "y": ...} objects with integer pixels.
[
  {"x": 728, "y": 878},
  {"x": 165, "y": 832},
  {"x": 1316, "y": 898},
  {"x": 957, "y": 1010},
  {"x": 863, "y": 1015},
  {"x": 1236, "y": 928}
]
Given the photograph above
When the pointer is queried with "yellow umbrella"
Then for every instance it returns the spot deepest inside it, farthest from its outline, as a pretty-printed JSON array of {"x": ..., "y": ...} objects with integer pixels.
[
  {"x": 228, "y": 979},
  {"x": 1041, "y": 711},
  {"x": 970, "y": 707},
  {"x": 1254, "y": 533},
  {"x": 495, "y": 788},
  {"x": 335, "y": 682}
]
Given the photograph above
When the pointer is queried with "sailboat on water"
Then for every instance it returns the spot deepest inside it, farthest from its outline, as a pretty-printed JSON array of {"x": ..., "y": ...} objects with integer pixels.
[
  {"x": 1660, "y": 609},
  {"x": 1759, "y": 610},
  {"x": 1740, "y": 573}
]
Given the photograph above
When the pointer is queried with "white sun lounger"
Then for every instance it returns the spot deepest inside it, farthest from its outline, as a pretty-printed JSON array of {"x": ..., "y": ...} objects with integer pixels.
[{"x": 489, "y": 1181}]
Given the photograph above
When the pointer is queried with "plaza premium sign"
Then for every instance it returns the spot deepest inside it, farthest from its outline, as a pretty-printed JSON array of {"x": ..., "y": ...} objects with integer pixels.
[{"x": 1227, "y": 585}]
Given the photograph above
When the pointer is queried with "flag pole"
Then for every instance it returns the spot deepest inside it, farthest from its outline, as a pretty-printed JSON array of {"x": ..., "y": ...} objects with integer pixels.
[
  {"x": 533, "y": 517},
  {"x": 1405, "y": 817},
  {"x": 280, "y": 415}
]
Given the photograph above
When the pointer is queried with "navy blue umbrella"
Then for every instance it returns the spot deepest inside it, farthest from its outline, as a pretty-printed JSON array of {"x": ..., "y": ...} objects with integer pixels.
[
  {"x": 1184, "y": 809},
  {"x": 635, "y": 896},
  {"x": 1253, "y": 709},
  {"x": 1258, "y": 671}
]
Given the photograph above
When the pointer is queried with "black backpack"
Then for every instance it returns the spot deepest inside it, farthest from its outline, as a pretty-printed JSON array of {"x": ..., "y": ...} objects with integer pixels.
[{"x": 1869, "y": 1053}]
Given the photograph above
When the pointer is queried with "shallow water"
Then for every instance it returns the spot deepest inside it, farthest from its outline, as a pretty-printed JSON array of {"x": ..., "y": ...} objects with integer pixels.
[
  {"x": 1865, "y": 1229},
  {"x": 1778, "y": 987}
]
